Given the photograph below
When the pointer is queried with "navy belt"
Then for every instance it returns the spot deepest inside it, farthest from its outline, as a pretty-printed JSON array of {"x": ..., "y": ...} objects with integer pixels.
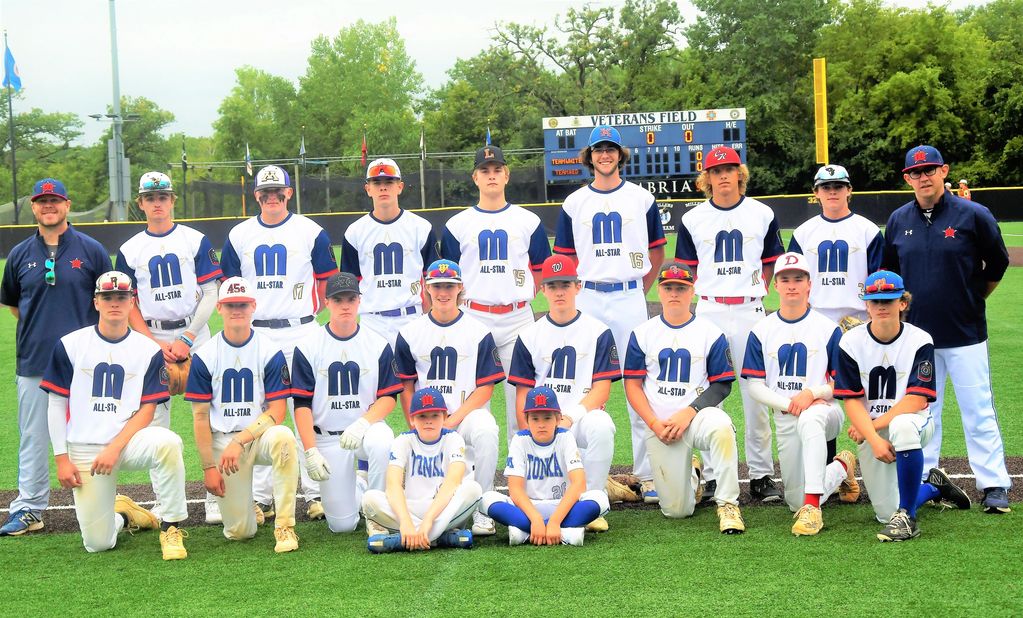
[
  {"x": 282, "y": 322},
  {"x": 320, "y": 432},
  {"x": 393, "y": 313},
  {"x": 610, "y": 287},
  {"x": 166, "y": 324}
]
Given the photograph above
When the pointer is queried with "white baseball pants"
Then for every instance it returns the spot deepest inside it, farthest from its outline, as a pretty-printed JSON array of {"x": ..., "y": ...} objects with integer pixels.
[
  {"x": 906, "y": 432},
  {"x": 457, "y": 512}
]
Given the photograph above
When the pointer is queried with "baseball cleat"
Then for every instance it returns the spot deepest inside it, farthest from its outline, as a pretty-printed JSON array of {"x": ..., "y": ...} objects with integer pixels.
[
  {"x": 572, "y": 536},
  {"x": 697, "y": 478},
  {"x": 21, "y": 522},
  {"x": 996, "y": 500},
  {"x": 482, "y": 525},
  {"x": 849, "y": 490},
  {"x": 649, "y": 492},
  {"x": 457, "y": 538},
  {"x": 213, "y": 515},
  {"x": 597, "y": 525},
  {"x": 950, "y": 493},
  {"x": 730, "y": 519},
  {"x": 619, "y": 492},
  {"x": 765, "y": 490},
  {"x": 901, "y": 527},
  {"x": 517, "y": 536},
  {"x": 172, "y": 543},
  {"x": 138, "y": 517},
  {"x": 287, "y": 540},
  {"x": 264, "y": 512},
  {"x": 384, "y": 543},
  {"x": 809, "y": 521},
  {"x": 314, "y": 509},
  {"x": 374, "y": 529},
  {"x": 709, "y": 489}
]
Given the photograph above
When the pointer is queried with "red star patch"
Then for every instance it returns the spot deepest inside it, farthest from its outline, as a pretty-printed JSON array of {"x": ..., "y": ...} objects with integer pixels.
[
  {"x": 76, "y": 263},
  {"x": 48, "y": 186},
  {"x": 950, "y": 232},
  {"x": 919, "y": 155}
]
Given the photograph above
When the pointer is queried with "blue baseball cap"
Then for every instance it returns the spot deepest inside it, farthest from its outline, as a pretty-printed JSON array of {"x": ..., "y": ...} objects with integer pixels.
[
  {"x": 541, "y": 399},
  {"x": 48, "y": 186},
  {"x": 923, "y": 156},
  {"x": 883, "y": 285},
  {"x": 427, "y": 399},
  {"x": 444, "y": 271},
  {"x": 605, "y": 133}
]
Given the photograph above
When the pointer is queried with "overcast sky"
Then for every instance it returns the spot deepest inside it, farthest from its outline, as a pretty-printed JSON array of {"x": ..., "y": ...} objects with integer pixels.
[{"x": 182, "y": 53}]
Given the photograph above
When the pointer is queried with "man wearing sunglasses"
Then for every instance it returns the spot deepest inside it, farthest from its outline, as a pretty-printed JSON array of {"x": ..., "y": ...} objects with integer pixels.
[
  {"x": 48, "y": 285},
  {"x": 951, "y": 254},
  {"x": 288, "y": 259}
]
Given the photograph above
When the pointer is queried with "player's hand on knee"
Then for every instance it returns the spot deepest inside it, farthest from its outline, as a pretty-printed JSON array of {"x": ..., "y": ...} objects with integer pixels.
[
  {"x": 883, "y": 450},
  {"x": 316, "y": 465},
  {"x": 538, "y": 532},
  {"x": 168, "y": 355},
  {"x": 68, "y": 474},
  {"x": 352, "y": 437},
  {"x": 802, "y": 401},
  {"x": 214, "y": 482},
  {"x": 179, "y": 349},
  {"x": 229, "y": 458},
  {"x": 105, "y": 461},
  {"x": 553, "y": 534}
]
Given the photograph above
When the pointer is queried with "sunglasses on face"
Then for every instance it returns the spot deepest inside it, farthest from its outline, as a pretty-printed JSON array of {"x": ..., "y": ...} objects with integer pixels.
[
  {"x": 604, "y": 149},
  {"x": 930, "y": 171},
  {"x": 51, "y": 271}
]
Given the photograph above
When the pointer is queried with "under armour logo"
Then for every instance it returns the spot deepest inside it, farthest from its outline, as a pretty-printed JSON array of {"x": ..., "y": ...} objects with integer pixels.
[
  {"x": 33, "y": 264},
  {"x": 909, "y": 232}
]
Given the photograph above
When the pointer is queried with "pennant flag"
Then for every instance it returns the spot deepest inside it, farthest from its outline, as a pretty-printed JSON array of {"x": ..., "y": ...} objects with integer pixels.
[
  {"x": 184, "y": 157},
  {"x": 364, "y": 149},
  {"x": 301, "y": 148},
  {"x": 248, "y": 160},
  {"x": 422, "y": 143},
  {"x": 12, "y": 77},
  {"x": 488, "y": 136}
]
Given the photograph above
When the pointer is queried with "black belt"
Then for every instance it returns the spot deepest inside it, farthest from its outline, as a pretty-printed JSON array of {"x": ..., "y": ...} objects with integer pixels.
[
  {"x": 166, "y": 324},
  {"x": 610, "y": 287},
  {"x": 320, "y": 432},
  {"x": 393, "y": 313},
  {"x": 282, "y": 322}
]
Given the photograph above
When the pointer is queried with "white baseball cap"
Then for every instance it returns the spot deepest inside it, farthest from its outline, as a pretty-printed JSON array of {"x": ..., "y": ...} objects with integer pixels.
[
  {"x": 272, "y": 176},
  {"x": 155, "y": 182},
  {"x": 383, "y": 168},
  {"x": 791, "y": 261},
  {"x": 831, "y": 173},
  {"x": 113, "y": 281},
  {"x": 235, "y": 290}
]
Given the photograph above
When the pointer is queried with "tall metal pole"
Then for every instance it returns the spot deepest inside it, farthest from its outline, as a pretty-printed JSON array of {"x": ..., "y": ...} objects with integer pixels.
[
  {"x": 117, "y": 194},
  {"x": 10, "y": 131}
]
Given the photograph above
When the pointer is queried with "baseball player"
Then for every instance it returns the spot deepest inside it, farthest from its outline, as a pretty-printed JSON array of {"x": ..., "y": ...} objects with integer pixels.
[
  {"x": 48, "y": 285},
  {"x": 500, "y": 248},
  {"x": 454, "y": 353},
  {"x": 613, "y": 230},
  {"x": 548, "y": 502},
  {"x": 788, "y": 364},
  {"x": 964, "y": 190},
  {"x": 575, "y": 355},
  {"x": 344, "y": 387},
  {"x": 842, "y": 248},
  {"x": 731, "y": 241},
  {"x": 886, "y": 377},
  {"x": 952, "y": 256},
  {"x": 429, "y": 495},
  {"x": 677, "y": 372},
  {"x": 288, "y": 259},
  {"x": 238, "y": 385},
  {"x": 388, "y": 250},
  {"x": 104, "y": 383}
]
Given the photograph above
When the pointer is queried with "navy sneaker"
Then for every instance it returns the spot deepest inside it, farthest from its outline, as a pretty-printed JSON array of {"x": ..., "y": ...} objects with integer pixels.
[
  {"x": 950, "y": 493},
  {"x": 902, "y": 527},
  {"x": 461, "y": 539},
  {"x": 765, "y": 490},
  {"x": 996, "y": 500},
  {"x": 25, "y": 520},
  {"x": 383, "y": 543},
  {"x": 709, "y": 489}
]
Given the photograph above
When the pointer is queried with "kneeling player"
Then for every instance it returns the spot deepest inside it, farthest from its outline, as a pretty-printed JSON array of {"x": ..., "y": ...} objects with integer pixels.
[
  {"x": 104, "y": 383},
  {"x": 238, "y": 386},
  {"x": 344, "y": 385},
  {"x": 547, "y": 501},
  {"x": 428, "y": 496},
  {"x": 678, "y": 398},
  {"x": 788, "y": 365},
  {"x": 886, "y": 377}
]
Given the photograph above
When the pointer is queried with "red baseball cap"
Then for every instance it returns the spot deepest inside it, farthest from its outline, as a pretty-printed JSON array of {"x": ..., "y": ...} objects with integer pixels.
[
  {"x": 721, "y": 155},
  {"x": 558, "y": 268}
]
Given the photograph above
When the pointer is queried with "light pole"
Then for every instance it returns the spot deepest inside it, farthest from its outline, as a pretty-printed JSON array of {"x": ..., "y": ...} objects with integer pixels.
[{"x": 119, "y": 167}]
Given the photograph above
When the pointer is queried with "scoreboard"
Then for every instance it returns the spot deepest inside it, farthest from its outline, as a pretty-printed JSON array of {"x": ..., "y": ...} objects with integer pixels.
[{"x": 662, "y": 144}]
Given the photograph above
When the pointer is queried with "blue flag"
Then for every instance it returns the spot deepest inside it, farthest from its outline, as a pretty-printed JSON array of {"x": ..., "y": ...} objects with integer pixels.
[
  {"x": 11, "y": 76},
  {"x": 488, "y": 136}
]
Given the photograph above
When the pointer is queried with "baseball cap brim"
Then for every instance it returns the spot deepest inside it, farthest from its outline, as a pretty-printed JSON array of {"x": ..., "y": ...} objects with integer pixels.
[
  {"x": 925, "y": 164},
  {"x": 882, "y": 295},
  {"x": 45, "y": 193},
  {"x": 237, "y": 299},
  {"x": 416, "y": 412},
  {"x": 556, "y": 278},
  {"x": 824, "y": 181}
]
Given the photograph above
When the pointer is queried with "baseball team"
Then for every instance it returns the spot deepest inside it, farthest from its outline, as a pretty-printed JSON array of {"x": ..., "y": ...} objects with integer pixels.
[{"x": 875, "y": 320}]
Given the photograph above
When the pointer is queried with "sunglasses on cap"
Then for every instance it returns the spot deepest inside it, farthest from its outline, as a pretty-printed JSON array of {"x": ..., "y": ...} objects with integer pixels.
[
  {"x": 157, "y": 185},
  {"x": 114, "y": 285},
  {"x": 880, "y": 286},
  {"x": 382, "y": 170},
  {"x": 675, "y": 274}
]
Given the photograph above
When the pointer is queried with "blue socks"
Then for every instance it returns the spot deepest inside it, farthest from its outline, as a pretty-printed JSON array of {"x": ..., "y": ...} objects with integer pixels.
[{"x": 909, "y": 465}]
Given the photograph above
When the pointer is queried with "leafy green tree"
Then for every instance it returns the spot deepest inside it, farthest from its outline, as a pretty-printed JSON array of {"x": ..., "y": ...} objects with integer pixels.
[{"x": 259, "y": 111}]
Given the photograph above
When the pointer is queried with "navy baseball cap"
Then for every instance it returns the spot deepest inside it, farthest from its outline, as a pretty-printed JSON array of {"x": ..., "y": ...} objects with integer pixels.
[
  {"x": 271, "y": 177},
  {"x": 605, "y": 133},
  {"x": 883, "y": 285},
  {"x": 541, "y": 399},
  {"x": 923, "y": 156},
  {"x": 488, "y": 154},
  {"x": 340, "y": 283},
  {"x": 48, "y": 186},
  {"x": 443, "y": 271},
  {"x": 427, "y": 399},
  {"x": 673, "y": 272}
]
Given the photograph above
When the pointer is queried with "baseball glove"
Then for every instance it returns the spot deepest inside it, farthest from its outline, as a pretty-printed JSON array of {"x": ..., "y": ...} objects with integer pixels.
[
  {"x": 177, "y": 375},
  {"x": 849, "y": 322},
  {"x": 623, "y": 488}
]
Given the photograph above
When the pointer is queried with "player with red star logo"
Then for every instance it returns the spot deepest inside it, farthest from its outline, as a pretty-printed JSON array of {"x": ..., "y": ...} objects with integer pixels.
[{"x": 950, "y": 232}]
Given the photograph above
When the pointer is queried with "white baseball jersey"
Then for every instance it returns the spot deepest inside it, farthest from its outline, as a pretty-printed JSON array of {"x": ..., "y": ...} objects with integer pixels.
[
  {"x": 105, "y": 381},
  {"x": 237, "y": 381},
  {"x": 730, "y": 246},
  {"x": 840, "y": 254},
  {"x": 544, "y": 466},
  {"x": 496, "y": 250},
  {"x": 611, "y": 232},
  {"x": 167, "y": 270},
  {"x": 456, "y": 358},
  {"x": 791, "y": 356},
  {"x": 677, "y": 363},
  {"x": 389, "y": 258},
  {"x": 282, "y": 262},
  {"x": 425, "y": 464},
  {"x": 342, "y": 376},
  {"x": 569, "y": 358},
  {"x": 884, "y": 373}
]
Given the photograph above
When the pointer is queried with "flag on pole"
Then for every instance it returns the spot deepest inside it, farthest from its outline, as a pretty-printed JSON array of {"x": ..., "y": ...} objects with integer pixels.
[
  {"x": 12, "y": 77},
  {"x": 422, "y": 143},
  {"x": 364, "y": 149},
  {"x": 301, "y": 148},
  {"x": 488, "y": 136},
  {"x": 248, "y": 160}
]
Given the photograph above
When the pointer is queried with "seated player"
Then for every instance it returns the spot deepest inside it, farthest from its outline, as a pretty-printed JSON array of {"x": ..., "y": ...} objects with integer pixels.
[
  {"x": 428, "y": 496},
  {"x": 678, "y": 399},
  {"x": 547, "y": 501},
  {"x": 104, "y": 383},
  {"x": 886, "y": 377},
  {"x": 546, "y": 353},
  {"x": 788, "y": 365},
  {"x": 238, "y": 385}
]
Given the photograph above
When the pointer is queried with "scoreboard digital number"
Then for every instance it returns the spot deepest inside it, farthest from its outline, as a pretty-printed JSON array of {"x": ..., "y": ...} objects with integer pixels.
[{"x": 663, "y": 144}]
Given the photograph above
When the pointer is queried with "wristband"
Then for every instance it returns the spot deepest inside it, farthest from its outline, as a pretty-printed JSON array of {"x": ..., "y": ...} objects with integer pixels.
[
  {"x": 206, "y": 467},
  {"x": 186, "y": 340}
]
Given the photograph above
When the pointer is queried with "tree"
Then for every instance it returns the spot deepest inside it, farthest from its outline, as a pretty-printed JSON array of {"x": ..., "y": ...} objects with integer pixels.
[{"x": 259, "y": 111}]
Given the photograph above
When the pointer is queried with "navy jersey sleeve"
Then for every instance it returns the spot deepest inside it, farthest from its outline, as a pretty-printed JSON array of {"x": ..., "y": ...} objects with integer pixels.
[
  {"x": 10, "y": 288},
  {"x": 429, "y": 250},
  {"x": 875, "y": 253},
  {"x": 539, "y": 248},
  {"x": 992, "y": 245},
  {"x": 404, "y": 362},
  {"x": 277, "y": 378},
  {"x": 772, "y": 243},
  {"x": 207, "y": 264},
  {"x": 921, "y": 378},
  {"x": 58, "y": 374},
  {"x": 324, "y": 262},
  {"x": 719, "y": 362},
  {"x": 488, "y": 362},
  {"x": 685, "y": 249},
  {"x": 564, "y": 238},
  {"x": 635, "y": 359},
  {"x": 229, "y": 261},
  {"x": 450, "y": 249},
  {"x": 303, "y": 378},
  {"x": 753, "y": 360},
  {"x": 350, "y": 258},
  {"x": 154, "y": 388},
  {"x": 200, "y": 382},
  {"x": 654, "y": 228},
  {"x": 795, "y": 248},
  {"x": 847, "y": 377},
  {"x": 522, "y": 371},
  {"x": 606, "y": 364},
  {"x": 833, "y": 350},
  {"x": 121, "y": 264},
  {"x": 387, "y": 381}
]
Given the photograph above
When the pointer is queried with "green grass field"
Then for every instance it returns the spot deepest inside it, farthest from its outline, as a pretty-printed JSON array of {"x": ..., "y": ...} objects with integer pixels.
[{"x": 964, "y": 562}]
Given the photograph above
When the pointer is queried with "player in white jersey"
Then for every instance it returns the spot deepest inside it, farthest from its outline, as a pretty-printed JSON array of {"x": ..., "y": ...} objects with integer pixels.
[
  {"x": 388, "y": 249},
  {"x": 788, "y": 365},
  {"x": 576, "y": 356},
  {"x": 613, "y": 229},
  {"x": 429, "y": 495},
  {"x": 731, "y": 241},
  {"x": 500, "y": 248},
  {"x": 842, "y": 248},
  {"x": 288, "y": 259},
  {"x": 344, "y": 387},
  {"x": 238, "y": 385},
  {"x": 104, "y": 383},
  {"x": 455, "y": 353},
  {"x": 548, "y": 502},
  {"x": 886, "y": 377},
  {"x": 677, "y": 372}
]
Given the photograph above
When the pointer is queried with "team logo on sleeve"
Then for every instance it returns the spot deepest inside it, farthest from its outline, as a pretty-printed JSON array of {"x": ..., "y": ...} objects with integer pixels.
[
  {"x": 925, "y": 371},
  {"x": 213, "y": 257},
  {"x": 614, "y": 354},
  {"x": 164, "y": 376},
  {"x": 285, "y": 376},
  {"x": 728, "y": 358},
  {"x": 497, "y": 358}
]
